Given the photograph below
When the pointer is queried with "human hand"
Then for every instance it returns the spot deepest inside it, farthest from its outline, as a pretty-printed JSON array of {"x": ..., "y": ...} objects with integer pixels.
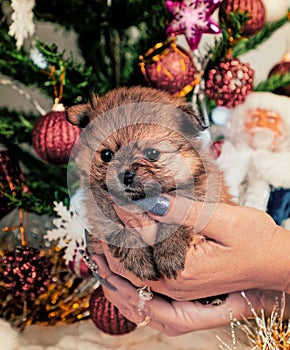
[
  {"x": 175, "y": 318},
  {"x": 243, "y": 249}
]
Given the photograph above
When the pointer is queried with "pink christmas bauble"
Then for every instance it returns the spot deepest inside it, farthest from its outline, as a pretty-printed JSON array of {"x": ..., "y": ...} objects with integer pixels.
[
  {"x": 255, "y": 9},
  {"x": 106, "y": 316},
  {"x": 169, "y": 67},
  {"x": 53, "y": 137}
]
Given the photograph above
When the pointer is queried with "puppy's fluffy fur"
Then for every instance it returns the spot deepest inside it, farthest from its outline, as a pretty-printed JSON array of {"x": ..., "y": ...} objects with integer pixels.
[{"x": 139, "y": 142}]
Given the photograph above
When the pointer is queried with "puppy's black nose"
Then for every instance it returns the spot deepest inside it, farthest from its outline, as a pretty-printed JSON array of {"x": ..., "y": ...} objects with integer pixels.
[{"x": 127, "y": 177}]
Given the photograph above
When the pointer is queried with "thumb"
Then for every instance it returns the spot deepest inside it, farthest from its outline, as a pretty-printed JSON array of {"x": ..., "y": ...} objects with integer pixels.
[{"x": 209, "y": 219}]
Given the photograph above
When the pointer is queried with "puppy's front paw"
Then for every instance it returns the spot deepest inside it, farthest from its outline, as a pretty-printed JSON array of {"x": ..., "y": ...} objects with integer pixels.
[
  {"x": 169, "y": 254},
  {"x": 140, "y": 262},
  {"x": 133, "y": 255},
  {"x": 137, "y": 261}
]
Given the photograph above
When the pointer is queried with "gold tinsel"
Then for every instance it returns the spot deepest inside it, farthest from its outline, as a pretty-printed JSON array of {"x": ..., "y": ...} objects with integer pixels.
[
  {"x": 265, "y": 333},
  {"x": 66, "y": 300}
]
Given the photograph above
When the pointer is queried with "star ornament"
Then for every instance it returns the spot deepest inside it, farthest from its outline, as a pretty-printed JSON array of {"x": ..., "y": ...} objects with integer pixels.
[{"x": 192, "y": 18}]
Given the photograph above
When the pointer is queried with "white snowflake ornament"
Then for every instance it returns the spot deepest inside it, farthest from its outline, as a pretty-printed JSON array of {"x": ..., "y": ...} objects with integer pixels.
[{"x": 68, "y": 231}]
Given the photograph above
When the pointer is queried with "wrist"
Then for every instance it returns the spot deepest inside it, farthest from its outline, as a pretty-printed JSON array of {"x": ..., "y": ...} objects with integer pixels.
[{"x": 278, "y": 267}]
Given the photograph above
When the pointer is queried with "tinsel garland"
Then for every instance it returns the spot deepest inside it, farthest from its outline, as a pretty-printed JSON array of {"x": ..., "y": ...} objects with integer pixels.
[
  {"x": 65, "y": 301},
  {"x": 262, "y": 332}
]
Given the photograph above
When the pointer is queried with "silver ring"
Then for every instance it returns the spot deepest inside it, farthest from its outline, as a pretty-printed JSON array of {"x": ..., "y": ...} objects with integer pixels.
[
  {"x": 145, "y": 293},
  {"x": 144, "y": 323}
]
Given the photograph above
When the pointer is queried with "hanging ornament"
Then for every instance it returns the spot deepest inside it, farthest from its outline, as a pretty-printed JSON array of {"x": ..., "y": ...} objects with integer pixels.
[
  {"x": 169, "y": 67},
  {"x": 193, "y": 19},
  {"x": 53, "y": 137},
  {"x": 25, "y": 273},
  {"x": 11, "y": 178},
  {"x": 283, "y": 67},
  {"x": 254, "y": 8},
  {"x": 106, "y": 316},
  {"x": 230, "y": 82},
  {"x": 275, "y": 9}
]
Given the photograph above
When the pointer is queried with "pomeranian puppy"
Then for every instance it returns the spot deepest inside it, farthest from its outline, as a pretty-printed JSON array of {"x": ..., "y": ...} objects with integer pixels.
[{"x": 138, "y": 143}]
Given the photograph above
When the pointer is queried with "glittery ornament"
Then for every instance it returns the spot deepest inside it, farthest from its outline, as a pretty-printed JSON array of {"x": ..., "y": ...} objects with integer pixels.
[
  {"x": 169, "y": 67},
  {"x": 106, "y": 316},
  {"x": 11, "y": 177},
  {"x": 25, "y": 273},
  {"x": 254, "y": 8},
  {"x": 192, "y": 18},
  {"x": 53, "y": 136},
  {"x": 65, "y": 301},
  {"x": 283, "y": 67},
  {"x": 230, "y": 82}
]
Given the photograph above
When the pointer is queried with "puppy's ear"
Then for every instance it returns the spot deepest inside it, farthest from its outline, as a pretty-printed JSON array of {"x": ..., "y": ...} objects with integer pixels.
[
  {"x": 79, "y": 115},
  {"x": 191, "y": 121}
]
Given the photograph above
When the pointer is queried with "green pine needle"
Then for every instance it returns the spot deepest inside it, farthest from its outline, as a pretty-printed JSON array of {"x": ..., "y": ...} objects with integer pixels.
[{"x": 274, "y": 82}]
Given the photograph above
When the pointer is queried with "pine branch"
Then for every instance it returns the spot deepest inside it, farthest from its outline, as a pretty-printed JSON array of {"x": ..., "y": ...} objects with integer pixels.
[
  {"x": 241, "y": 45},
  {"x": 16, "y": 127},
  {"x": 274, "y": 82},
  {"x": 252, "y": 42},
  {"x": 80, "y": 81},
  {"x": 46, "y": 183}
]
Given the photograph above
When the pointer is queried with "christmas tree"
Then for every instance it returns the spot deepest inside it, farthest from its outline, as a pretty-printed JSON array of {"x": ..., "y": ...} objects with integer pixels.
[{"x": 118, "y": 43}]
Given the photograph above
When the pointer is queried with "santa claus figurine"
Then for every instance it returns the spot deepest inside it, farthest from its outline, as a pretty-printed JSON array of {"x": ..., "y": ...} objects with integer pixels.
[{"x": 255, "y": 155}]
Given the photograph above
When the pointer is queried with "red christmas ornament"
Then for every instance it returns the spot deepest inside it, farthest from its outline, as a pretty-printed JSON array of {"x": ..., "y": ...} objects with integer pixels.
[
  {"x": 11, "y": 177},
  {"x": 106, "y": 316},
  {"x": 283, "y": 67},
  {"x": 169, "y": 67},
  {"x": 255, "y": 9},
  {"x": 53, "y": 136},
  {"x": 25, "y": 273},
  {"x": 230, "y": 82}
]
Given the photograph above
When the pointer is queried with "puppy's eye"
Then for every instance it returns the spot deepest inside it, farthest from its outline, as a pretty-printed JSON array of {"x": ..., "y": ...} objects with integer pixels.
[
  {"x": 151, "y": 154},
  {"x": 107, "y": 155}
]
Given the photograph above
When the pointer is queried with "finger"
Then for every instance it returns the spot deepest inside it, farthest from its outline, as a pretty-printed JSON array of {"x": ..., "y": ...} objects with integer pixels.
[
  {"x": 178, "y": 318},
  {"x": 125, "y": 296},
  {"x": 207, "y": 218},
  {"x": 188, "y": 213}
]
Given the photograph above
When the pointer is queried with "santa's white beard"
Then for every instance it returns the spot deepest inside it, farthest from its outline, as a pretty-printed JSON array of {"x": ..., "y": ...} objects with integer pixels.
[{"x": 262, "y": 139}]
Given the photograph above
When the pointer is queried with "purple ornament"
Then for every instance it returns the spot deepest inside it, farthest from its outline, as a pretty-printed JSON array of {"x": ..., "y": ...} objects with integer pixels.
[{"x": 192, "y": 18}]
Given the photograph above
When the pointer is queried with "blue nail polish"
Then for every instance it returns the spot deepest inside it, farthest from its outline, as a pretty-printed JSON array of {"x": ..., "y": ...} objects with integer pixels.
[{"x": 156, "y": 205}]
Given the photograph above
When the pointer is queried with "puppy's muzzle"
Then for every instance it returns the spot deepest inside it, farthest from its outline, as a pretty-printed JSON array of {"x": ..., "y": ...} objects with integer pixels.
[{"x": 127, "y": 177}]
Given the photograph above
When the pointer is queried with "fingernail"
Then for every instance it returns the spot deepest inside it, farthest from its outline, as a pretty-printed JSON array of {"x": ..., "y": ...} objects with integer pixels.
[{"x": 156, "y": 205}]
